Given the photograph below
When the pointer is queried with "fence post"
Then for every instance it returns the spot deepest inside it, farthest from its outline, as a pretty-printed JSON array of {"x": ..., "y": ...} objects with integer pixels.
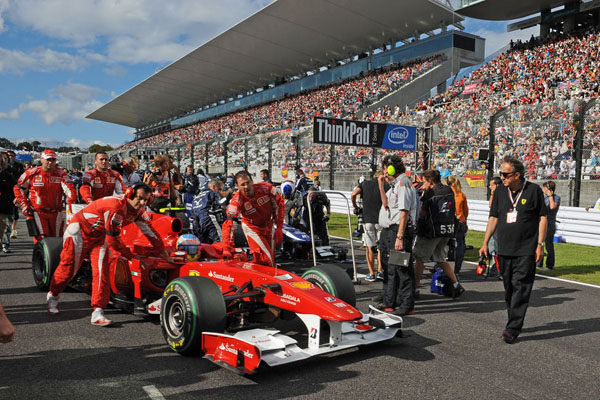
[
  {"x": 192, "y": 158},
  {"x": 246, "y": 155},
  {"x": 331, "y": 167},
  {"x": 270, "y": 156},
  {"x": 373, "y": 160},
  {"x": 428, "y": 142},
  {"x": 578, "y": 122},
  {"x": 492, "y": 146}
]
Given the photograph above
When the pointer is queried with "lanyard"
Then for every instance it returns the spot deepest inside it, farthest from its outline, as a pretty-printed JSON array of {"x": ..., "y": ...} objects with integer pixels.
[{"x": 514, "y": 202}]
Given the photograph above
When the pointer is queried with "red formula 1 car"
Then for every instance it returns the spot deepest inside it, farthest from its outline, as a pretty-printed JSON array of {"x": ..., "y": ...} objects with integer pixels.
[{"x": 219, "y": 308}]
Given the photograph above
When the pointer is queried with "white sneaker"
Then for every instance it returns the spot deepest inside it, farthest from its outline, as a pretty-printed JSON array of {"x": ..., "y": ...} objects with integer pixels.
[
  {"x": 13, "y": 235},
  {"x": 52, "y": 303},
  {"x": 99, "y": 319}
]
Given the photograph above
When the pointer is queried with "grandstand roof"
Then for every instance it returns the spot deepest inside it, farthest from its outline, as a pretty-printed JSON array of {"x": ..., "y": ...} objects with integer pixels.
[
  {"x": 507, "y": 9},
  {"x": 284, "y": 39}
]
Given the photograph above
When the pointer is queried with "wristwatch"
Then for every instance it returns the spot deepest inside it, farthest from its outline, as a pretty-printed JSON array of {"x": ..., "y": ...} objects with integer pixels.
[
  {"x": 541, "y": 244},
  {"x": 399, "y": 236}
]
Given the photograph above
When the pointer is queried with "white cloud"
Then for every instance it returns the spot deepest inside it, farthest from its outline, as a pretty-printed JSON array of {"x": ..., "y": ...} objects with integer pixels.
[
  {"x": 41, "y": 59},
  {"x": 3, "y": 8},
  {"x": 66, "y": 103},
  {"x": 134, "y": 30},
  {"x": 116, "y": 70}
]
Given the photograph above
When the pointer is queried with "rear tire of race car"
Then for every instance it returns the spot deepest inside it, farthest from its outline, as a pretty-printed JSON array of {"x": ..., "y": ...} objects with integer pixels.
[
  {"x": 332, "y": 279},
  {"x": 191, "y": 305},
  {"x": 46, "y": 257}
]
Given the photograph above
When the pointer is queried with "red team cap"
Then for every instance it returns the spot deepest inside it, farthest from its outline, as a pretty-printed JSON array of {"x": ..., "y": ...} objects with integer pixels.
[{"x": 48, "y": 154}]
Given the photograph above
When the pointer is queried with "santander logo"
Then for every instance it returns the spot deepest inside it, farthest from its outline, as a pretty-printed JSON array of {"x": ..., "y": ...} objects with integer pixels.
[{"x": 398, "y": 135}]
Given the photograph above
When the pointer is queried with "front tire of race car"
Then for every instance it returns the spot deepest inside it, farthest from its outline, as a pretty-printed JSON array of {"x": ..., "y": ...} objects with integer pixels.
[
  {"x": 332, "y": 279},
  {"x": 46, "y": 257},
  {"x": 190, "y": 306}
]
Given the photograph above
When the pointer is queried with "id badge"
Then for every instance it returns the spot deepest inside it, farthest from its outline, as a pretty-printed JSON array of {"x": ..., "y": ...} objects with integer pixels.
[{"x": 511, "y": 217}]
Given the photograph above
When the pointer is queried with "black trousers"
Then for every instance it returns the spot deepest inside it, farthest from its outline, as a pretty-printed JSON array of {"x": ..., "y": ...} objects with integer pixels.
[
  {"x": 398, "y": 281},
  {"x": 518, "y": 274}
]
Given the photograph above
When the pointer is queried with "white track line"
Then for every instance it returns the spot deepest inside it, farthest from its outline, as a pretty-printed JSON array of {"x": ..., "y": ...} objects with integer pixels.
[
  {"x": 567, "y": 280},
  {"x": 538, "y": 275},
  {"x": 153, "y": 392}
]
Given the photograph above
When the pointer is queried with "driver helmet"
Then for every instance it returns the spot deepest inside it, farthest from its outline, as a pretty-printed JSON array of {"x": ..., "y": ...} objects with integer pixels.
[
  {"x": 287, "y": 188},
  {"x": 190, "y": 244}
]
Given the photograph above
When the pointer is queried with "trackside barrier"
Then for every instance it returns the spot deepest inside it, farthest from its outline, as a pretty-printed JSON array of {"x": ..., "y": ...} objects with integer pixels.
[{"x": 574, "y": 224}]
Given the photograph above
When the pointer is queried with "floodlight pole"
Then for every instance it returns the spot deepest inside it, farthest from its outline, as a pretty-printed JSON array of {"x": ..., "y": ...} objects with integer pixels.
[
  {"x": 492, "y": 146},
  {"x": 579, "y": 122}
]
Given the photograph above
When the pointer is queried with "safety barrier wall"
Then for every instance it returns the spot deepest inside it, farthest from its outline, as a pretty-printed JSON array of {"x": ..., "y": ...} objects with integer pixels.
[{"x": 574, "y": 224}]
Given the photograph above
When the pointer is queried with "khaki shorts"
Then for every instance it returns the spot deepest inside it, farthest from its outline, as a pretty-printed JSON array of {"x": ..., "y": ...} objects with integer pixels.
[
  {"x": 436, "y": 248},
  {"x": 371, "y": 234}
]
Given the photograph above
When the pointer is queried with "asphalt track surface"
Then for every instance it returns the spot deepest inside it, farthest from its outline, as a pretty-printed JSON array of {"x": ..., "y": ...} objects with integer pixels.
[{"x": 450, "y": 350}]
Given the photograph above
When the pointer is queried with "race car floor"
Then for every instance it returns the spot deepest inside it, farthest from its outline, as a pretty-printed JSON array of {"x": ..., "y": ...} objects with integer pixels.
[{"x": 451, "y": 349}]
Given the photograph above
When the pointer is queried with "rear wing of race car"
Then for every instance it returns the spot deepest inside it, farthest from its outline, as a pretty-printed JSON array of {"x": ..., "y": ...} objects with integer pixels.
[{"x": 244, "y": 351}]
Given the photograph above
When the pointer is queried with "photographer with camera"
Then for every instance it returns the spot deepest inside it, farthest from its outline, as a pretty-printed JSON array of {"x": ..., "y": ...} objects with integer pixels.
[
  {"x": 161, "y": 182},
  {"x": 368, "y": 190}
]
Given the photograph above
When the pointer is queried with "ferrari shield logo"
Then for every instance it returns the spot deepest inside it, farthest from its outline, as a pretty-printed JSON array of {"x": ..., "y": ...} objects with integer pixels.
[{"x": 523, "y": 201}]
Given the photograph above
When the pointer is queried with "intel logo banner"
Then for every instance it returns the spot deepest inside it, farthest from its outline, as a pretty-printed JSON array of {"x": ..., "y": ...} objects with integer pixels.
[
  {"x": 400, "y": 137},
  {"x": 363, "y": 133}
]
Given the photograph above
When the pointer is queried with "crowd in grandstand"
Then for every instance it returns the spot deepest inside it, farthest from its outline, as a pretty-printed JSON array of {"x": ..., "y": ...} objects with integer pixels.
[
  {"x": 336, "y": 100},
  {"x": 541, "y": 82}
]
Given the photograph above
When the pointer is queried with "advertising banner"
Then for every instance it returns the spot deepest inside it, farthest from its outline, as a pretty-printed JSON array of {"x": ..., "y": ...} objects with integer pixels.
[
  {"x": 475, "y": 177},
  {"x": 362, "y": 133}
]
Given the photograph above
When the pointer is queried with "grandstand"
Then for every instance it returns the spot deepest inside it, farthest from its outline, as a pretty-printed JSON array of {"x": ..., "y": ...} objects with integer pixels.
[{"x": 222, "y": 118}]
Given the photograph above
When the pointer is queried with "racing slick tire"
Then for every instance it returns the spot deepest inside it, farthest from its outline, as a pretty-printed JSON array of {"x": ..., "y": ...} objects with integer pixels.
[
  {"x": 332, "y": 279},
  {"x": 190, "y": 306},
  {"x": 46, "y": 257}
]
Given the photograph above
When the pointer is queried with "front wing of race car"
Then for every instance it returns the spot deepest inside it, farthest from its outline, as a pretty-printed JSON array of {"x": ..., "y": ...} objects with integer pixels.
[{"x": 244, "y": 351}]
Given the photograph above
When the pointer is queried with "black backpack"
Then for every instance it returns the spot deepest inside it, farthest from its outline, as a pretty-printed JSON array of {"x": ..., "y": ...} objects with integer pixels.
[{"x": 440, "y": 220}]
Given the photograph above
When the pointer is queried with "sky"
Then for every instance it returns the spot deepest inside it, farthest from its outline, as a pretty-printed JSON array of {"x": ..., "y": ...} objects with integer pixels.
[{"x": 60, "y": 60}]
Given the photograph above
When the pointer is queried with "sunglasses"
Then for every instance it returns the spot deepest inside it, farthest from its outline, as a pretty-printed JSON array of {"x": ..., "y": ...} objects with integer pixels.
[{"x": 506, "y": 174}]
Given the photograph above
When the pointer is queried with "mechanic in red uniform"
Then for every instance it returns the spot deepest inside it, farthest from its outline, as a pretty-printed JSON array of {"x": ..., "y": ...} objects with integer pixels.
[
  {"x": 39, "y": 192},
  {"x": 91, "y": 232},
  {"x": 101, "y": 181},
  {"x": 260, "y": 206}
]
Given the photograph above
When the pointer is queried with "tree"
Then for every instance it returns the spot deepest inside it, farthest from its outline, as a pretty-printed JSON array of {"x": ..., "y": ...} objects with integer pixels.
[
  {"x": 4, "y": 142},
  {"x": 36, "y": 145},
  {"x": 95, "y": 148},
  {"x": 25, "y": 146}
]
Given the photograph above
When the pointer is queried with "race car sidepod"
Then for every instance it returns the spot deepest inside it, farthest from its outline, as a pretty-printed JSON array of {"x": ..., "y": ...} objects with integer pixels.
[{"x": 243, "y": 351}]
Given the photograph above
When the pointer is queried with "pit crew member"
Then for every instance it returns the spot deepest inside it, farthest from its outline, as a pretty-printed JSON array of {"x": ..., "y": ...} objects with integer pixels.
[
  {"x": 260, "y": 206},
  {"x": 91, "y": 232},
  {"x": 207, "y": 213},
  {"x": 101, "y": 181},
  {"x": 39, "y": 192}
]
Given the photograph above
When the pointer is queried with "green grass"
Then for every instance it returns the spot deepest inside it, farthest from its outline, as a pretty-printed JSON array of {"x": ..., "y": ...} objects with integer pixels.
[{"x": 573, "y": 261}]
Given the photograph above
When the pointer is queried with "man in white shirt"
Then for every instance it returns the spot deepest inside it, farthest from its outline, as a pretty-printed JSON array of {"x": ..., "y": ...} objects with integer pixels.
[{"x": 396, "y": 216}]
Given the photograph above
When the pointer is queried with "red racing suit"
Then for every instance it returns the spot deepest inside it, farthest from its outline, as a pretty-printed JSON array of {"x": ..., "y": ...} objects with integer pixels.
[
  {"x": 96, "y": 185},
  {"x": 259, "y": 213},
  {"x": 90, "y": 233},
  {"x": 40, "y": 193}
]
